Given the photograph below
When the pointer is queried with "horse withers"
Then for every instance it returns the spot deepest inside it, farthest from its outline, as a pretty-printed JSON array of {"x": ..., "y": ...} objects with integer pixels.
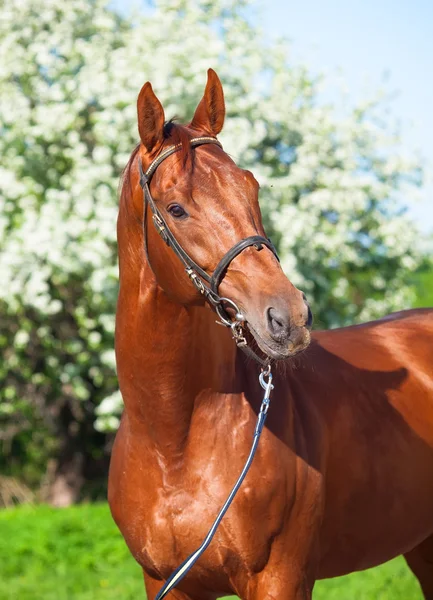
[{"x": 343, "y": 476}]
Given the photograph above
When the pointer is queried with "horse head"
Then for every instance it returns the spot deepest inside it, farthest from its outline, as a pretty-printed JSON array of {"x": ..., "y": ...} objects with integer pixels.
[{"x": 207, "y": 204}]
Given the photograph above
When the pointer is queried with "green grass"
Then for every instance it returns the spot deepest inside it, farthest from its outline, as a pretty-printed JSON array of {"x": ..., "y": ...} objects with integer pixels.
[{"x": 78, "y": 554}]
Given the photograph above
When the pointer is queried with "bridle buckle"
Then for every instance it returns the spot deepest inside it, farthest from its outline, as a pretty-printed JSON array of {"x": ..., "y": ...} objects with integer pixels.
[
  {"x": 160, "y": 227},
  {"x": 196, "y": 280},
  {"x": 238, "y": 334}
]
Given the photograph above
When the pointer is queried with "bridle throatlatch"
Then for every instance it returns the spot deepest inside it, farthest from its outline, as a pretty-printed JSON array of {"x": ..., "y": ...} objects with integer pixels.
[{"x": 208, "y": 286}]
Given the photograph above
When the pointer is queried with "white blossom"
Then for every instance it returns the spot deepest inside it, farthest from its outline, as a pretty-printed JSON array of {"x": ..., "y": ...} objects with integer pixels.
[{"x": 70, "y": 73}]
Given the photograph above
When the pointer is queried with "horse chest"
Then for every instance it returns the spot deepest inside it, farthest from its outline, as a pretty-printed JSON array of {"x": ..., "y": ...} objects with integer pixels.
[{"x": 177, "y": 518}]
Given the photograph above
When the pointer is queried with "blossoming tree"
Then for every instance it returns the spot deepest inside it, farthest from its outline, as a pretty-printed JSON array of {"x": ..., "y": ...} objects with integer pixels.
[{"x": 69, "y": 76}]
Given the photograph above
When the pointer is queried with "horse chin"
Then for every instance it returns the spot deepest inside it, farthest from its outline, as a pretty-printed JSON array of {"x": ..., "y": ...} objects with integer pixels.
[{"x": 277, "y": 351}]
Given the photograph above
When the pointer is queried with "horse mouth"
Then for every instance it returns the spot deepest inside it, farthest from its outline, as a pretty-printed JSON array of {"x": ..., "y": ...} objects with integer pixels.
[{"x": 281, "y": 350}]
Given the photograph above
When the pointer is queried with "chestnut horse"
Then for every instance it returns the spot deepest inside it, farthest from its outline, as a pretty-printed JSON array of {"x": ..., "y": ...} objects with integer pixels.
[{"x": 343, "y": 475}]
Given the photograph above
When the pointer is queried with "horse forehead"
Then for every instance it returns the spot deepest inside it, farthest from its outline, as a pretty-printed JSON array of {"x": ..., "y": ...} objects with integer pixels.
[
  {"x": 224, "y": 176},
  {"x": 210, "y": 172}
]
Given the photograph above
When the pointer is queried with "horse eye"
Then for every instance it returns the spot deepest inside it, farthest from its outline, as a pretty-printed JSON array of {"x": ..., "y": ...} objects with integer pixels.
[{"x": 176, "y": 211}]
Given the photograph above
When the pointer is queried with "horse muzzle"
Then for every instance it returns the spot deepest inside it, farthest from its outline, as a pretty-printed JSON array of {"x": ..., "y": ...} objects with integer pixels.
[{"x": 278, "y": 334}]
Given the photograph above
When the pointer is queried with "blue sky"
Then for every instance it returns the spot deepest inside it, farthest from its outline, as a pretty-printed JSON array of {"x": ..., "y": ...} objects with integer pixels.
[{"x": 370, "y": 45}]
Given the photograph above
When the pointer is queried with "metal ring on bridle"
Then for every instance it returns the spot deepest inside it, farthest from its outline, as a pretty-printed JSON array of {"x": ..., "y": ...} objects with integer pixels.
[
  {"x": 222, "y": 313},
  {"x": 264, "y": 373}
]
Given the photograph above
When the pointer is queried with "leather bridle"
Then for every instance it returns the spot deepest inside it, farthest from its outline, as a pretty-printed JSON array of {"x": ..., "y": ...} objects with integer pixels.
[{"x": 207, "y": 285}]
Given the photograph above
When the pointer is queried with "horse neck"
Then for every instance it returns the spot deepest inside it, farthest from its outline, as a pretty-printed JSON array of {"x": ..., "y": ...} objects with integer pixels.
[{"x": 169, "y": 358}]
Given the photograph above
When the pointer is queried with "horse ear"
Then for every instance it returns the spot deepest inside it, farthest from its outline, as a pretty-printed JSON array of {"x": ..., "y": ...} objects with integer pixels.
[
  {"x": 150, "y": 118},
  {"x": 210, "y": 113}
]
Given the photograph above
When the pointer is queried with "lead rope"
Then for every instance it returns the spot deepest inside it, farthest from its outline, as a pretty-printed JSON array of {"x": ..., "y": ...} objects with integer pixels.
[{"x": 187, "y": 564}]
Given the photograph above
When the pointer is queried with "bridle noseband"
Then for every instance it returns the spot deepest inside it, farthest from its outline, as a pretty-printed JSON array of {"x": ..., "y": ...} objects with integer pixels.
[{"x": 206, "y": 285}]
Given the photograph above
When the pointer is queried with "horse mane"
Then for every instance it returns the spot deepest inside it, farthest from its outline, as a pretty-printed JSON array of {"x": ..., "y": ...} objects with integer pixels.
[{"x": 179, "y": 134}]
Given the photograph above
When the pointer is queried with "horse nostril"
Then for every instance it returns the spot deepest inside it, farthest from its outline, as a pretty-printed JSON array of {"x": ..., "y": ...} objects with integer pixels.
[{"x": 278, "y": 323}]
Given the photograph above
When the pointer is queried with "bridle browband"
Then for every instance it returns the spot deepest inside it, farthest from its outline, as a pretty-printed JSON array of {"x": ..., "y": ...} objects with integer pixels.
[{"x": 206, "y": 285}]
